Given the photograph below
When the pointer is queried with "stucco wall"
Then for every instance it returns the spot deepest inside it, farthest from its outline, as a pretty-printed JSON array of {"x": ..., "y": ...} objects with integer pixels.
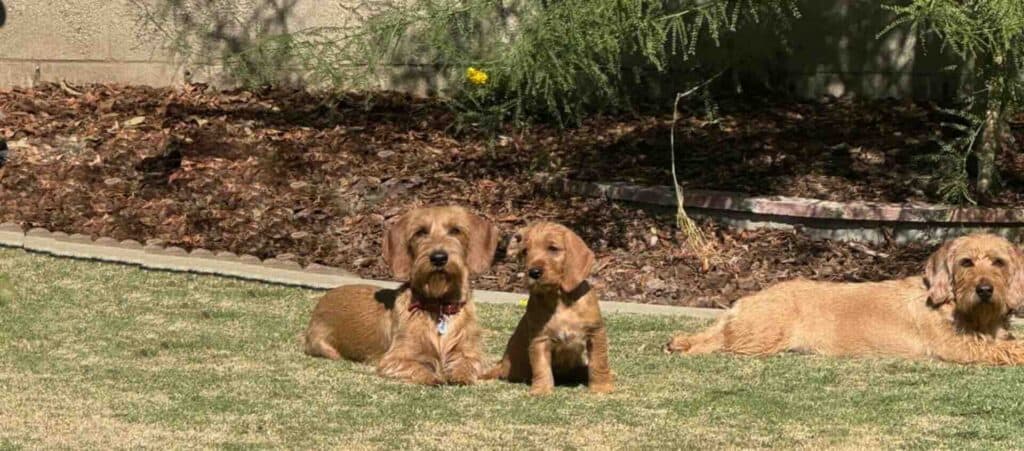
[
  {"x": 76, "y": 40},
  {"x": 832, "y": 49}
]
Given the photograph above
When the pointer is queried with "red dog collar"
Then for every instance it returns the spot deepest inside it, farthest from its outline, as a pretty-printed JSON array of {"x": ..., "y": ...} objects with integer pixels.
[{"x": 446, "y": 309}]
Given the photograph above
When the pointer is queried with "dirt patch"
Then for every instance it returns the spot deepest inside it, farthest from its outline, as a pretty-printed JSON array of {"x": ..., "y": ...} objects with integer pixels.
[{"x": 288, "y": 174}]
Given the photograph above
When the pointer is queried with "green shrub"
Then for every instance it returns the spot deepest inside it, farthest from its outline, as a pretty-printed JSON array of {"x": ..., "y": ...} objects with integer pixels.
[
  {"x": 987, "y": 37},
  {"x": 557, "y": 60}
]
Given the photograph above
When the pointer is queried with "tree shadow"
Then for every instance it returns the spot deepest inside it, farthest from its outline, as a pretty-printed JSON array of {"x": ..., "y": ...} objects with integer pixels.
[
  {"x": 209, "y": 34},
  {"x": 834, "y": 47},
  {"x": 839, "y": 150}
]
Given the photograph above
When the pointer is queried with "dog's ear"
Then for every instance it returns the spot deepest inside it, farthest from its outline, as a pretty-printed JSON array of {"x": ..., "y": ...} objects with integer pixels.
[
  {"x": 1015, "y": 294},
  {"x": 396, "y": 249},
  {"x": 579, "y": 262},
  {"x": 937, "y": 275},
  {"x": 483, "y": 241}
]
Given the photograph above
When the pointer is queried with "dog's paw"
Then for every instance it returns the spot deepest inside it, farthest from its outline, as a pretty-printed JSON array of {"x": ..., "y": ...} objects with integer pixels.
[
  {"x": 604, "y": 387},
  {"x": 465, "y": 374},
  {"x": 411, "y": 374},
  {"x": 499, "y": 371},
  {"x": 462, "y": 378},
  {"x": 541, "y": 390},
  {"x": 424, "y": 379},
  {"x": 678, "y": 345}
]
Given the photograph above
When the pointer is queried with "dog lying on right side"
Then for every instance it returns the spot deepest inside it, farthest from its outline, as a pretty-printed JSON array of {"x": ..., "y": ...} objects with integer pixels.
[{"x": 958, "y": 312}]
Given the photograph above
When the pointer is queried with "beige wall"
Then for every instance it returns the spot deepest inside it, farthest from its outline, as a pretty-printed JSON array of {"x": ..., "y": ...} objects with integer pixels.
[
  {"x": 77, "y": 40},
  {"x": 85, "y": 41},
  {"x": 832, "y": 50}
]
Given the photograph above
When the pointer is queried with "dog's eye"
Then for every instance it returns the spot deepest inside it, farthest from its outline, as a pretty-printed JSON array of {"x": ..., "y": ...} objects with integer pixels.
[
  {"x": 420, "y": 232},
  {"x": 966, "y": 263},
  {"x": 999, "y": 263},
  {"x": 454, "y": 231},
  {"x": 554, "y": 249}
]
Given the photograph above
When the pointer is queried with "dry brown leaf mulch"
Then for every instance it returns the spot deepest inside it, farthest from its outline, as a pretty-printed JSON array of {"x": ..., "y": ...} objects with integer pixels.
[{"x": 315, "y": 179}]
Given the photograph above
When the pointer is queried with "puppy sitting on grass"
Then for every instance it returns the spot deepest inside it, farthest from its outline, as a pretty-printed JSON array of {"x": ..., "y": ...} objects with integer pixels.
[
  {"x": 426, "y": 331},
  {"x": 561, "y": 337}
]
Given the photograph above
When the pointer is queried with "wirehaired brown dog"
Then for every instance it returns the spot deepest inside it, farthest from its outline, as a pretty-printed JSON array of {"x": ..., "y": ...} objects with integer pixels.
[
  {"x": 958, "y": 312},
  {"x": 425, "y": 332},
  {"x": 561, "y": 337}
]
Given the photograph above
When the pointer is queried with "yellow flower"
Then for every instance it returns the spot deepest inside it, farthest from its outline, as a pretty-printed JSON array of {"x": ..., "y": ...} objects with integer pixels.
[
  {"x": 523, "y": 302},
  {"x": 476, "y": 76}
]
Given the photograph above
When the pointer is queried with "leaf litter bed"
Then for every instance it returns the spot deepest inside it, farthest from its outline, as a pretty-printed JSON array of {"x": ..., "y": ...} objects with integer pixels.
[{"x": 298, "y": 176}]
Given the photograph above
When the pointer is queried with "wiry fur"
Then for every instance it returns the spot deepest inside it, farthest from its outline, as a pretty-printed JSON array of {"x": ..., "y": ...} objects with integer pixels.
[
  {"x": 937, "y": 316},
  {"x": 364, "y": 323},
  {"x": 561, "y": 337}
]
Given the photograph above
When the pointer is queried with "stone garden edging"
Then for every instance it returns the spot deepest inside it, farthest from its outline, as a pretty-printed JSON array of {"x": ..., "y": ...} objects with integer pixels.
[
  {"x": 155, "y": 256},
  {"x": 846, "y": 221}
]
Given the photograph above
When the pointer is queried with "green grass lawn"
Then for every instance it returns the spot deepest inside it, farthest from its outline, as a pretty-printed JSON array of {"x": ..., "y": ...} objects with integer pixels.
[{"x": 100, "y": 355}]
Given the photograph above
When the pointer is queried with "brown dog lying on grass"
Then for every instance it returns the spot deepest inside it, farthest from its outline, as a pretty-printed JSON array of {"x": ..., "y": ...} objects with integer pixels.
[
  {"x": 425, "y": 332},
  {"x": 958, "y": 312},
  {"x": 561, "y": 337}
]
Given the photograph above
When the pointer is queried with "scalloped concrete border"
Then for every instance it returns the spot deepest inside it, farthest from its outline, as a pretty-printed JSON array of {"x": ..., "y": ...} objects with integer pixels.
[
  {"x": 155, "y": 256},
  {"x": 850, "y": 221}
]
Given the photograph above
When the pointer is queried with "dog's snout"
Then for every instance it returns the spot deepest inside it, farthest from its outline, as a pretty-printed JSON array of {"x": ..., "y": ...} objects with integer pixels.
[
  {"x": 439, "y": 258},
  {"x": 984, "y": 290},
  {"x": 535, "y": 273}
]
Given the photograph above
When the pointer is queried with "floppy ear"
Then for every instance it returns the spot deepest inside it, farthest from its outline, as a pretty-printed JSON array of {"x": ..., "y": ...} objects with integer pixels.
[
  {"x": 1015, "y": 294},
  {"x": 937, "y": 276},
  {"x": 396, "y": 249},
  {"x": 483, "y": 241},
  {"x": 579, "y": 261}
]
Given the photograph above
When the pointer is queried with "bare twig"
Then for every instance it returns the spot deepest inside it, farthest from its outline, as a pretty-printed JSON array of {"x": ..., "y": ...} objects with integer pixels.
[
  {"x": 693, "y": 235},
  {"x": 867, "y": 250},
  {"x": 64, "y": 86}
]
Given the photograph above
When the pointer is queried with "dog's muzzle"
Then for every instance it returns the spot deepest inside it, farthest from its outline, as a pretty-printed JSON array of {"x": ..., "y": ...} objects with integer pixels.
[
  {"x": 535, "y": 273},
  {"x": 984, "y": 291},
  {"x": 439, "y": 259}
]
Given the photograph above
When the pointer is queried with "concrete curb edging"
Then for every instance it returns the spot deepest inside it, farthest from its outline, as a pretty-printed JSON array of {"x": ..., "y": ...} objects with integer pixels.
[
  {"x": 156, "y": 256},
  {"x": 845, "y": 221}
]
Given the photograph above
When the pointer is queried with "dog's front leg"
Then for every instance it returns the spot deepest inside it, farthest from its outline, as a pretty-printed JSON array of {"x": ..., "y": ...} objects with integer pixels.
[
  {"x": 543, "y": 381},
  {"x": 463, "y": 366},
  {"x": 599, "y": 374},
  {"x": 397, "y": 365},
  {"x": 980, "y": 350}
]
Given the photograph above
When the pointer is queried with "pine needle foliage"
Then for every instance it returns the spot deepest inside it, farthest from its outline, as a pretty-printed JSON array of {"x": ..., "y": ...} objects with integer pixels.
[
  {"x": 556, "y": 60},
  {"x": 987, "y": 37}
]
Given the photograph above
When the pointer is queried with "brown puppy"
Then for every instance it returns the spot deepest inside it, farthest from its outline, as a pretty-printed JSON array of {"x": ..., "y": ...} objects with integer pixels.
[
  {"x": 562, "y": 335},
  {"x": 958, "y": 312},
  {"x": 425, "y": 332}
]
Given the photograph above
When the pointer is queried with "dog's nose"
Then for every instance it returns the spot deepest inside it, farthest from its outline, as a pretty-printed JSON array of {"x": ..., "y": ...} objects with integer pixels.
[
  {"x": 439, "y": 258},
  {"x": 984, "y": 291},
  {"x": 535, "y": 273}
]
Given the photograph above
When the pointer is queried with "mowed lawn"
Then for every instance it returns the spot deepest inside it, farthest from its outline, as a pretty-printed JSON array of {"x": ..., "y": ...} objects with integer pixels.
[{"x": 99, "y": 355}]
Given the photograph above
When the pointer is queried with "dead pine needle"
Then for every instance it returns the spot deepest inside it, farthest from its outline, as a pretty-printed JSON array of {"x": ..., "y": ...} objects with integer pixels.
[{"x": 694, "y": 236}]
